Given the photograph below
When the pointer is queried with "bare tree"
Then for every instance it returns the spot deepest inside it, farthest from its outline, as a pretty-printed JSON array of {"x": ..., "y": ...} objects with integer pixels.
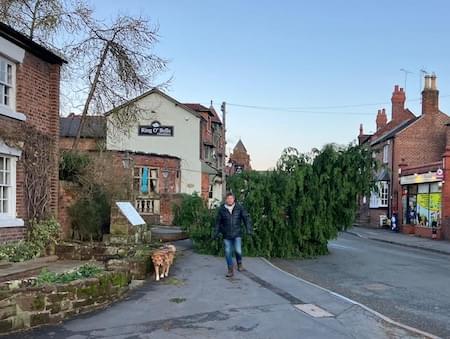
[
  {"x": 117, "y": 62},
  {"x": 44, "y": 20}
]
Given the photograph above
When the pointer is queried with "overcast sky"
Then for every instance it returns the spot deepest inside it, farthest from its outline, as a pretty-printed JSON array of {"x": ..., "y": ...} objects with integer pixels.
[{"x": 312, "y": 55}]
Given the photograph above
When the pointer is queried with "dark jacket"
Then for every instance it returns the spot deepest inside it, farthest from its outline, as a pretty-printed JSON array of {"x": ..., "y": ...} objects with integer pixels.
[{"x": 229, "y": 225}]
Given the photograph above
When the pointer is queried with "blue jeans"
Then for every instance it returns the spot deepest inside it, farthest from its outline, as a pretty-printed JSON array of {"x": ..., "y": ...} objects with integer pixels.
[{"x": 230, "y": 246}]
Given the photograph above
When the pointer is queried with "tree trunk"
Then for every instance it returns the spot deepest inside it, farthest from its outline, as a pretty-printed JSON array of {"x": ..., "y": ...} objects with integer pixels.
[{"x": 90, "y": 95}]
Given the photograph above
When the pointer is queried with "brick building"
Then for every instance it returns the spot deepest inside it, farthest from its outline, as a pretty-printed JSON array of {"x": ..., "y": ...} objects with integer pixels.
[
  {"x": 410, "y": 150},
  {"x": 212, "y": 148},
  {"x": 239, "y": 160},
  {"x": 29, "y": 101},
  {"x": 92, "y": 137},
  {"x": 153, "y": 179}
]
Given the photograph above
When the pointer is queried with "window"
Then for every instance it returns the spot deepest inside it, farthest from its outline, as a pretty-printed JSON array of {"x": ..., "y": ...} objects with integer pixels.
[
  {"x": 6, "y": 83},
  {"x": 146, "y": 180},
  {"x": 210, "y": 192},
  {"x": 386, "y": 154},
  {"x": 380, "y": 198},
  {"x": 423, "y": 204},
  {"x": 209, "y": 153},
  {"x": 5, "y": 185},
  {"x": 383, "y": 187},
  {"x": 146, "y": 189}
]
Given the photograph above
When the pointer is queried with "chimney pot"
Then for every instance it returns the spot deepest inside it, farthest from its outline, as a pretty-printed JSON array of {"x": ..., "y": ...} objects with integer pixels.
[
  {"x": 396, "y": 88},
  {"x": 430, "y": 95}
]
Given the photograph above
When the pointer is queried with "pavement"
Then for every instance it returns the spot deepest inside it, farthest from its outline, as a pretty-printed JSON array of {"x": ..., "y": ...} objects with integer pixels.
[
  {"x": 408, "y": 240},
  {"x": 197, "y": 301},
  {"x": 407, "y": 284}
]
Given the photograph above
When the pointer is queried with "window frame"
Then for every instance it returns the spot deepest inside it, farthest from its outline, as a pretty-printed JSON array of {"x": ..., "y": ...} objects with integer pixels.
[
  {"x": 383, "y": 187},
  {"x": 11, "y": 188},
  {"x": 386, "y": 154},
  {"x": 11, "y": 105},
  {"x": 155, "y": 179},
  {"x": 380, "y": 199}
]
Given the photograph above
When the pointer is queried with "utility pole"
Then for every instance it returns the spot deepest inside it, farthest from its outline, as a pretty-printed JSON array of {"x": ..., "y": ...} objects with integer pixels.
[{"x": 223, "y": 108}]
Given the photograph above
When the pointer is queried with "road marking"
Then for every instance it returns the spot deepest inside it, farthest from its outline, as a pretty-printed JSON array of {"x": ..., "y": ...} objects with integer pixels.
[
  {"x": 313, "y": 310},
  {"x": 368, "y": 309}
]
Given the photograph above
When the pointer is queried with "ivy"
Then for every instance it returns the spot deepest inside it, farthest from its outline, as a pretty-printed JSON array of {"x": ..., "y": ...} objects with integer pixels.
[{"x": 296, "y": 208}]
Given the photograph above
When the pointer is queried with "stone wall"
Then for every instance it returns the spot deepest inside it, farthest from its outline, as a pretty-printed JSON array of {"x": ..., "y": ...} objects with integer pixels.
[{"x": 26, "y": 307}]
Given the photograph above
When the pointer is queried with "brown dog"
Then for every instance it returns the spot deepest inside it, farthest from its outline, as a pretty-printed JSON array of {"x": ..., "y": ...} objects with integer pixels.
[{"x": 163, "y": 258}]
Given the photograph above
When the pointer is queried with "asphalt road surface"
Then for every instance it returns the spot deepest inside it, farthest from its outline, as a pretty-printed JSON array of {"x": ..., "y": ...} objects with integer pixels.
[{"x": 408, "y": 285}]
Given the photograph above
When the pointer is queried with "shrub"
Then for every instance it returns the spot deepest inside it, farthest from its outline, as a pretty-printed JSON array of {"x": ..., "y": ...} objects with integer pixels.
[
  {"x": 47, "y": 277},
  {"x": 90, "y": 215},
  {"x": 44, "y": 233},
  {"x": 72, "y": 165},
  {"x": 40, "y": 235},
  {"x": 194, "y": 217},
  {"x": 296, "y": 208}
]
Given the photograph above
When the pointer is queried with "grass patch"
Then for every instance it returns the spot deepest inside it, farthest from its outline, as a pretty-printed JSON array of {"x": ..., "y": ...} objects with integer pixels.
[{"x": 177, "y": 300}]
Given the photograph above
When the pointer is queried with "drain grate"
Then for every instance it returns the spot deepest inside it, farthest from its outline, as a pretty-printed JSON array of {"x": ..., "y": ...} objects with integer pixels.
[{"x": 313, "y": 310}]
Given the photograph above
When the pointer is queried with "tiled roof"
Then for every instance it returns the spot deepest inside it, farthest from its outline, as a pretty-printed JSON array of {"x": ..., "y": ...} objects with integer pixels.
[
  {"x": 391, "y": 131},
  {"x": 200, "y": 108},
  {"x": 94, "y": 127}
]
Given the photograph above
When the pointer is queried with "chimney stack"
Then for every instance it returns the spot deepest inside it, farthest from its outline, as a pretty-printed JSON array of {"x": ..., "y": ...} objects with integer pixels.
[
  {"x": 430, "y": 95},
  {"x": 398, "y": 104},
  {"x": 361, "y": 131},
  {"x": 381, "y": 118}
]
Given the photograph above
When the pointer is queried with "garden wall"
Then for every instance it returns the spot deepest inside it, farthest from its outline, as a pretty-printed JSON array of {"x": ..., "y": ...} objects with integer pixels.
[
  {"x": 26, "y": 307},
  {"x": 67, "y": 196}
]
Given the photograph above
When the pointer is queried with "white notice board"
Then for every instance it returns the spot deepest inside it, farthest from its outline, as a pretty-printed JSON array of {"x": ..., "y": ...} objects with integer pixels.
[{"x": 130, "y": 213}]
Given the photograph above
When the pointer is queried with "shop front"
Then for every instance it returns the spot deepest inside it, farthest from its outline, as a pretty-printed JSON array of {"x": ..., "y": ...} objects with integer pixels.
[{"x": 422, "y": 204}]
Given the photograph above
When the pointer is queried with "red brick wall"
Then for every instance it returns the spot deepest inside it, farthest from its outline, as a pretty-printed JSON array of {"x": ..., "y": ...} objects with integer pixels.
[
  {"x": 85, "y": 144},
  {"x": 37, "y": 96},
  {"x": 10, "y": 234},
  {"x": 168, "y": 187},
  {"x": 68, "y": 194},
  {"x": 205, "y": 186}
]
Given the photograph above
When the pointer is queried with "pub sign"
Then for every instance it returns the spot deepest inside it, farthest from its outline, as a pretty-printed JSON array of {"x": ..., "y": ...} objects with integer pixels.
[{"x": 156, "y": 129}]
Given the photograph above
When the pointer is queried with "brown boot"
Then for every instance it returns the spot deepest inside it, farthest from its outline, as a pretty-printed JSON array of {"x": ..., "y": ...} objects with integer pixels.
[
  {"x": 240, "y": 267},
  {"x": 230, "y": 273}
]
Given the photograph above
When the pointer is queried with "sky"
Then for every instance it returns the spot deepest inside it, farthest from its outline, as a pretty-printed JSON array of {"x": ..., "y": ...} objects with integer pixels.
[{"x": 313, "y": 56}]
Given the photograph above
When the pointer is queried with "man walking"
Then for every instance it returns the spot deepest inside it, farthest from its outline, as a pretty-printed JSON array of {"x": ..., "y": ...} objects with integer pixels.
[{"x": 228, "y": 223}]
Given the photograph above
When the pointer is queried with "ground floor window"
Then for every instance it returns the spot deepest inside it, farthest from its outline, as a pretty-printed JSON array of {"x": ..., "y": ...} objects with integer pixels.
[
  {"x": 146, "y": 190},
  {"x": 7, "y": 186},
  {"x": 380, "y": 198},
  {"x": 422, "y": 204}
]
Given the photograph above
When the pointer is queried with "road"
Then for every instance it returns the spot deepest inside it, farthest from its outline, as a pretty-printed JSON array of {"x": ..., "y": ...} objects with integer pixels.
[
  {"x": 408, "y": 285},
  {"x": 199, "y": 302}
]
